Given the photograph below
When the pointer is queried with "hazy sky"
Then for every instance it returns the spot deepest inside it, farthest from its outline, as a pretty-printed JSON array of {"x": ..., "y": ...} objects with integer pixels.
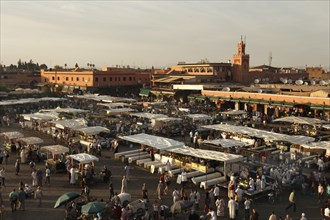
[{"x": 163, "y": 33}]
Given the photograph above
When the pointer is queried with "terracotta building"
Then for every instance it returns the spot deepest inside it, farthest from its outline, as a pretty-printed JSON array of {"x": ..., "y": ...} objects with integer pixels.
[
  {"x": 91, "y": 79},
  {"x": 18, "y": 78}
]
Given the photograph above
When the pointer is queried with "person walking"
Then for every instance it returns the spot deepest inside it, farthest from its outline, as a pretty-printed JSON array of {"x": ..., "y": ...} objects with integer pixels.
[
  {"x": 17, "y": 166},
  {"x": 220, "y": 204},
  {"x": 38, "y": 195},
  {"x": 127, "y": 170},
  {"x": 254, "y": 215},
  {"x": 111, "y": 190},
  {"x": 291, "y": 201},
  {"x": 47, "y": 180},
  {"x": 247, "y": 204},
  {"x": 21, "y": 199},
  {"x": 272, "y": 216},
  {"x": 123, "y": 185},
  {"x": 175, "y": 195},
  {"x": 303, "y": 216},
  {"x": 231, "y": 207},
  {"x": 160, "y": 190},
  {"x": 145, "y": 193},
  {"x": 13, "y": 197},
  {"x": 2, "y": 175}
]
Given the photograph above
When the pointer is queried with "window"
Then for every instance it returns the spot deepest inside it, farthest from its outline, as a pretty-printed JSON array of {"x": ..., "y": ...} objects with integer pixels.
[
  {"x": 96, "y": 79},
  {"x": 58, "y": 78},
  {"x": 130, "y": 78},
  {"x": 104, "y": 79},
  {"x": 83, "y": 79},
  {"x": 66, "y": 78},
  {"x": 124, "y": 78},
  {"x": 77, "y": 79},
  {"x": 53, "y": 77},
  {"x": 71, "y": 78},
  {"x": 45, "y": 80},
  {"x": 110, "y": 78},
  {"x": 118, "y": 78}
]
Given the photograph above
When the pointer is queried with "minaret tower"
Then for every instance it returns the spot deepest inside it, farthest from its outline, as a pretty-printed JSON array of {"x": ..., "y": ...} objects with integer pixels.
[{"x": 241, "y": 62}]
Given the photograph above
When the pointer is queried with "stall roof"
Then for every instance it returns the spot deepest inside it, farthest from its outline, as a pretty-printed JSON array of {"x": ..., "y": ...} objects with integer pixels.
[
  {"x": 29, "y": 100},
  {"x": 300, "y": 120},
  {"x": 84, "y": 158},
  {"x": 12, "y": 134},
  {"x": 207, "y": 154},
  {"x": 199, "y": 116},
  {"x": 320, "y": 144},
  {"x": 41, "y": 116},
  {"x": 168, "y": 119},
  {"x": 120, "y": 110},
  {"x": 71, "y": 123},
  {"x": 104, "y": 98},
  {"x": 157, "y": 142},
  {"x": 114, "y": 104},
  {"x": 226, "y": 142},
  {"x": 326, "y": 126},
  {"x": 148, "y": 115},
  {"x": 55, "y": 149},
  {"x": 267, "y": 135},
  {"x": 31, "y": 140},
  {"x": 234, "y": 112},
  {"x": 64, "y": 110},
  {"x": 93, "y": 130}
]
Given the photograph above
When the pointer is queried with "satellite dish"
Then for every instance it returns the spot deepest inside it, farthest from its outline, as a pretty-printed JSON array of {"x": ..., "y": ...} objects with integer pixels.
[
  {"x": 306, "y": 83},
  {"x": 299, "y": 82},
  {"x": 285, "y": 81},
  {"x": 260, "y": 91},
  {"x": 281, "y": 79},
  {"x": 256, "y": 81},
  {"x": 226, "y": 89},
  {"x": 322, "y": 83},
  {"x": 313, "y": 82},
  {"x": 289, "y": 81},
  {"x": 272, "y": 86}
]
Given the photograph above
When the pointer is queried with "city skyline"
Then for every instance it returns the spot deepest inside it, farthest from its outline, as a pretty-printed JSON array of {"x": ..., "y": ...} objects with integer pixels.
[{"x": 163, "y": 33}]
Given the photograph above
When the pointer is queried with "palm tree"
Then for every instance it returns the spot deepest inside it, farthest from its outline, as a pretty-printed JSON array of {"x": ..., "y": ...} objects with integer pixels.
[
  {"x": 93, "y": 66},
  {"x": 88, "y": 65},
  {"x": 65, "y": 65}
]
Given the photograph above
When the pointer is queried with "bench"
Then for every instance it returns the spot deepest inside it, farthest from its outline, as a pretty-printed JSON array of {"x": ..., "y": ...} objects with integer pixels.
[
  {"x": 197, "y": 180},
  {"x": 142, "y": 161},
  {"x": 134, "y": 158},
  {"x": 212, "y": 182},
  {"x": 117, "y": 155}
]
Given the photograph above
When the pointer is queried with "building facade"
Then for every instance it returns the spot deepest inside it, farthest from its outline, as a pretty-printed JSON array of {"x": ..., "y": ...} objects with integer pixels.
[{"x": 107, "y": 77}]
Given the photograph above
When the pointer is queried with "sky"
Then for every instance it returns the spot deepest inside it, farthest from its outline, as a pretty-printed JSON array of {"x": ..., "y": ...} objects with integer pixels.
[{"x": 163, "y": 33}]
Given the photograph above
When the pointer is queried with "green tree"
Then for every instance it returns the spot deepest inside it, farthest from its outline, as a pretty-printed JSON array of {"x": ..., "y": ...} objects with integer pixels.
[{"x": 43, "y": 67}]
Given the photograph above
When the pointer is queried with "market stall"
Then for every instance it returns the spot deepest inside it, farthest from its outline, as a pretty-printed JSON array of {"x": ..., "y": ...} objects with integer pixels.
[
  {"x": 29, "y": 148},
  {"x": 199, "y": 119},
  {"x": 82, "y": 165},
  {"x": 54, "y": 156},
  {"x": 224, "y": 145},
  {"x": 10, "y": 137}
]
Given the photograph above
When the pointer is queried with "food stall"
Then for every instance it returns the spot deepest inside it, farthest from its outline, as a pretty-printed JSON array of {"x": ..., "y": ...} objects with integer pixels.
[
  {"x": 10, "y": 137},
  {"x": 54, "y": 157},
  {"x": 82, "y": 165},
  {"x": 223, "y": 145},
  {"x": 30, "y": 148}
]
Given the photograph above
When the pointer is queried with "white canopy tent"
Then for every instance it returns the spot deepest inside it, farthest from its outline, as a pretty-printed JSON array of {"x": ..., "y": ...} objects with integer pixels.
[
  {"x": 199, "y": 117},
  {"x": 93, "y": 130},
  {"x": 300, "y": 120},
  {"x": 29, "y": 100},
  {"x": 12, "y": 135},
  {"x": 148, "y": 115},
  {"x": 120, "y": 110},
  {"x": 64, "y": 110},
  {"x": 84, "y": 158},
  {"x": 226, "y": 143},
  {"x": 234, "y": 112},
  {"x": 71, "y": 123},
  {"x": 40, "y": 116},
  {"x": 319, "y": 145},
  {"x": 31, "y": 140},
  {"x": 266, "y": 135},
  {"x": 326, "y": 126},
  {"x": 160, "y": 143},
  {"x": 114, "y": 104},
  {"x": 55, "y": 149}
]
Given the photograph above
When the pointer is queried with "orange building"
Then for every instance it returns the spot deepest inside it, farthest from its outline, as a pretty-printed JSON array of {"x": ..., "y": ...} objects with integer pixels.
[{"x": 91, "y": 79}]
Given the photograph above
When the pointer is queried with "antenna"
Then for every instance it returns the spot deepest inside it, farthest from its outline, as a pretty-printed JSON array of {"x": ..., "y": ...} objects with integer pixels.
[
  {"x": 245, "y": 39},
  {"x": 270, "y": 58}
]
